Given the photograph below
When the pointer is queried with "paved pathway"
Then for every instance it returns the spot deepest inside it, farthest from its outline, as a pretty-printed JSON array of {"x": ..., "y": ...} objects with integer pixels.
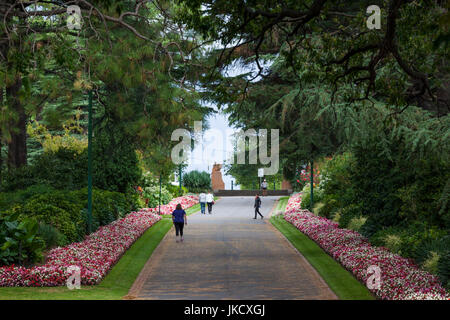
[{"x": 229, "y": 255}]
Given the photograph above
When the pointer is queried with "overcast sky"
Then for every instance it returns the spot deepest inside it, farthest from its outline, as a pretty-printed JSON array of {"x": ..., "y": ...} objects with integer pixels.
[{"x": 217, "y": 146}]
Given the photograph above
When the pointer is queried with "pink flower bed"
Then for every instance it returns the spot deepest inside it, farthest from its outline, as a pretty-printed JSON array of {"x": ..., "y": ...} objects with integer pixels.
[
  {"x": 401, "y": 279},
  {"x": 95, "y": 255},
  {"x": 185, "y": 201}
]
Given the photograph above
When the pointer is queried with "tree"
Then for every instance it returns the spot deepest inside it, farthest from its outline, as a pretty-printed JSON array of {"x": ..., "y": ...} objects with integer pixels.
[
  {"x": 402, "y": 63},
  {"x": 197, "y": 181},
  {"x": 129, "y": 53}
]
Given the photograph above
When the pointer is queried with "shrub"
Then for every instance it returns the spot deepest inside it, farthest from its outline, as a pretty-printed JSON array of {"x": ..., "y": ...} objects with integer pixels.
[
  {"x": 19, "y": 243},
  {"x": 66, "y": 169},
  {"x": 9, "y": 199},
  {"x": 52, "y": 215},
  {"x": 196, "y": 181},
  {"x": 306, "y": 196},
  {"x": 444, "y": 269},
  {"x": 175, "y": 190},
  {"x": 439, "y": 245},
  {"x": 393, "y": 242},
  {"x": 152, "y": 194},
  {"x": 356, "y": 223},
  {"x": 337, "y": 216},
  {"x": 416, "y": 236},
  {"x": 431, "y": 264},
  {"x": 318, "y": 208},
  {"x": 134, "y": 200},
  {"x": 348, "y": 213},
  {"x": 107, "y": 206},
  {"x": 51, "y": 236},
  {"x": 330, "y": 206}
]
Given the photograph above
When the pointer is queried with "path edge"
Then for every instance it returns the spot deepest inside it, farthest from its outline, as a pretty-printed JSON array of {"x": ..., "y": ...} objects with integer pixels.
[{"x": 316, "y": 275}]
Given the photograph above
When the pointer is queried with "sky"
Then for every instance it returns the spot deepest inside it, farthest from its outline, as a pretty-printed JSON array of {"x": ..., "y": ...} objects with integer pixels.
[
  {"x": 216, "y": 146},
  {"x": 214, "y": 150}
]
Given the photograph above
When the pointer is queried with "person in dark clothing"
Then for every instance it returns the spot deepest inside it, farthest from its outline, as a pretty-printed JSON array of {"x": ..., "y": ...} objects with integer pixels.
[
  {"x": 179, "y": 220},
  {"x": 257, "y": 206}
]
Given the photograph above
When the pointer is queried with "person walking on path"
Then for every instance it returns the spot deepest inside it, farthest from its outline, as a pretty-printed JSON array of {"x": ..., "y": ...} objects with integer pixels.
[
  {"x": 209, "y": 201},
  {"x": 179, "y": 220},
  {"x": 202, "y": 200},
  {"x": 257, "y": 206},
  {"x": 264, "y": 187}
]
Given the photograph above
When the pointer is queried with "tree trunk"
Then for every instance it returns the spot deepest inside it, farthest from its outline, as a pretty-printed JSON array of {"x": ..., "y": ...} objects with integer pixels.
[{"x": 17, "y": 146}]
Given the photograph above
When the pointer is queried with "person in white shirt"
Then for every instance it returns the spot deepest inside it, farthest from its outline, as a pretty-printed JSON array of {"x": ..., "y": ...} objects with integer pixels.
[
  {"x": 202, "y": 200},
  {"x": 210, "y": 201},
  {"x": 264, "y": 187}
]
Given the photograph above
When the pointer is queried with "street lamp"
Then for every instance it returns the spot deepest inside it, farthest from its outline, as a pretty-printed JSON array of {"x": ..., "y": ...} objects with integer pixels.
[
  {"x": 179, "y": 173},
  {"x": 159, "y": 207},
  {"x": 90, "y": 163},
  {"x": 311, "y": 178}
]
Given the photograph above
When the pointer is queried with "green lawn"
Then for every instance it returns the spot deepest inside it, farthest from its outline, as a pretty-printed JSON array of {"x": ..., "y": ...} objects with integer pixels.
[
  {"x": 342, "y": 282},
  {"x": 118, "y": 281}
]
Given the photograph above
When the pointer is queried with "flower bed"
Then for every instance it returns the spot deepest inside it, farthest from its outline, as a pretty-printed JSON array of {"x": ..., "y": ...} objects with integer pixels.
[
  {"x": 95, "y": 255},
  {"x": 185, "y": 201},
  {"x": 401, "y": 279}
]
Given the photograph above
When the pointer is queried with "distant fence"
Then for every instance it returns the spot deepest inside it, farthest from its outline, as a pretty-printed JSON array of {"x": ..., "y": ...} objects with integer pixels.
[{"x": 243, "y": 193}]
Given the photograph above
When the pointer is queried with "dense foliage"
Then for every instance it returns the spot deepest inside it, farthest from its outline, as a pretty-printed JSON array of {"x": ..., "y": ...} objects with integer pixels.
[{"x": 197, "y": 181}]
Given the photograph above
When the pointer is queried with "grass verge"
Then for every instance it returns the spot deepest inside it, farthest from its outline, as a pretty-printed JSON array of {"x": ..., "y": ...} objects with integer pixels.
[
  {"x": 118, "y": 281},
  {"x": 281, "y": 204},
  {"x": 340, "y": 281}
]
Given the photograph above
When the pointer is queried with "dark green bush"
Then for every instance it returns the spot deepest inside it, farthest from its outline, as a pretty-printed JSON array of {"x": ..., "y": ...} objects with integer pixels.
[
  {"x": 19, "y": 243},
  {"x": 115, "y": 165},
  {"x": 329, "y": 207},
  {"x": 134, "y": 200},
  {"x": 66, "y": 211},
  {"x": 52, "y": 215},
  {"x": 306, "y": 196},
  {"x": 115, "y": 168},
  {"x": 417, "y": 240},
  {"x": 444, "y": 269},
  {"x": 107, "y": 206},
  {"x": 51, "y": 236},
  {"x": 196, "y": 181},
  {"x": 348, "y": 213},
  {"x": 175, "y": 190},
  {"x": 10, "y": 199},
  {"x": 436, "y": 244}
]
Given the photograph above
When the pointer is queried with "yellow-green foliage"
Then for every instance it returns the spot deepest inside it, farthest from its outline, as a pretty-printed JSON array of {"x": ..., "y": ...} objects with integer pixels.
[
  {"x": 356, "y": 223},
  {"x": 431, "y": 264},
  {"x": 51, "y": 143},
  {"x": 337, "y": 216},
  {"x": 393, "y": 242},
  {"x": 317, "y": 208}
]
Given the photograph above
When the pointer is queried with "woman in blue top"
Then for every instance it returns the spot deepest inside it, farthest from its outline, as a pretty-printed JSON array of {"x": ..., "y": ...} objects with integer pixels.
[{"x": 179, "y": 220}]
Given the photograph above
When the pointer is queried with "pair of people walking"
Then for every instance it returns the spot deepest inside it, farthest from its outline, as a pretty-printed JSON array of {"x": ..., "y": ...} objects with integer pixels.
[{"x": 206, "y": 200}]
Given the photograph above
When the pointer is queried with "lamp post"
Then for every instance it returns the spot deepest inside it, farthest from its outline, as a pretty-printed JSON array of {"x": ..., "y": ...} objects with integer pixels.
[
  {"x": 231, "y": 184},
  {"x": 159, "y": 207},
  {"x": 90, "y": 163},
  {"x": 179, "y": 177},
  {"x": 312, "y": 184}
]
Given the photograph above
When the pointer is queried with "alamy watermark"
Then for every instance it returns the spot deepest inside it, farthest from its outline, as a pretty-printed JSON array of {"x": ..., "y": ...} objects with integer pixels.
[
  {"x": 74, "y": 280},
  {"x": 74, "y": 19},
  {"x": 214, "y": 142},
  {"x": 374, "y": 20},
  {"x": 374, "y": 280}
]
